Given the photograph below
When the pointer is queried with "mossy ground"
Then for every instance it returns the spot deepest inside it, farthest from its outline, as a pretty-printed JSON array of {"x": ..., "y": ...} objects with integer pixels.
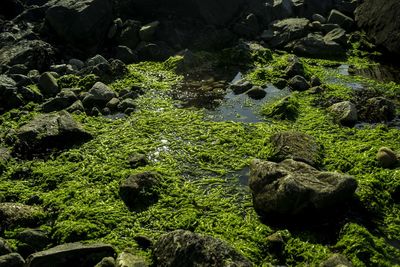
[{"x": 199, "y": 160}]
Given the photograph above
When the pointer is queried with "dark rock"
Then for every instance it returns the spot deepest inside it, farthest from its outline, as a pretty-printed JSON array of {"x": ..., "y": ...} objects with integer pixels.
[
  {"x": 34, "y": 54},
  {"x": 21, "y": 80},
  {"x": 286, "y": 108},
  {"x": 337, "y": 17},
  {"x": 137, "y": 160},
  {"x": 292, "y": 188},
  {"x": 256, "y": 92},
  {"x": 30, "y": 94},
  {"x": 96, "y": 60},
  {"x": 129, "y": 36},
  {"x": 18, "y": 69},
  {"x": 95, "y": 112},
  {"x": 126, "y": 104},
  {"x": 127, "y": 259},
  {"x": 49, "y": 131},
  {"x": 62, "y": 69},
  {"x": 11, "y": 8},
  {"x": 83, "y": 24},
  {"x": 11, "y": 260},
  {"x": 125, "y": 54},
  {"x": 147, "y": 32},
  {"x": 4, "y": 248},
  {"x": 15, "y": 214},
  {"x": 113, "y": 104},
  {"x": 381, "y": 21},
  {"x": 297, "y": 146},
  {"x": 140, "y": 190},
  {"x": 178, "y": 248},
  {"x": 9, "y": 97},
  {"x": 35, "y": 238},
  {"x": 377, "y": 109},
  {"x": 48, "y": 84},
  {"x": 288, "y": 30},
  {"x": 143, "y": 241},
  {"x": 248, "y": 27},
  {"x": 62, "y": 101},
  {"x": 319, "y": 18},
  {"x": 76, "y": 254},
  {"x": 387, "y": 158},
  {"x": 295, "y": 67},
  {"x": 279, "y": 83},
  {"x": 76, "y": 64},
  {"x": 77, "y": 106},
  {"x": 327, "y": 27},
  {"x": 240, "y": 87},
  {"x": 315, "y": 81},
  {"x": 118, "y": 68},
  {"x": 5, "y": 156},
  {"x": 106, "y": 262},
  {"x": 344, "y": 113},
  {"x": 152, "y": 52},
  {"x": 298, "y": 83},
  {"x": 276, "y": 242},
  {"x": 337, "y": 35},
  {"x": 99, "y": 95},
  {"x": 336, "y": 260}
]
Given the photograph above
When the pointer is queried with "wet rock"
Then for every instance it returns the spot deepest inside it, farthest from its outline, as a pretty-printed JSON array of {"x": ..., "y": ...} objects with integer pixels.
[
  {"x": 295, "y": 67},
  {"x": 137, "y": 160},
  {"x": 15, "y": 214},
  {"x": 319, "y": 18},
  {"x": 337, "y": 17},
  {"x": 49, "y": 131},
  {"x": 106, "y": 262},
  {"x": 77, "y": 106},
  {"x": 297, "y": 146},
  {"x": 256, "y": 92},
  {"x": 36, "y": 239},
  {"x": 180, "y": 247},
  {"x": 147, "y": 32},
  {"x": 140, "y": 190},
  {"x": 48, "y": 84},
  {"x": 288, "y": 30},
  {"x": 83, "y": 24},
  {"x": 4, "y": 248},
  {"x": 381, "y": 20},
  {"x": 344, "y": 113},
  {"x": 295, "y": 189},
  {"x": 76, "y": 254},
  {"x": 11, "y": 260},
  {"x": 127, "y": 103},
  {"x": 337, "y": 35},
  {"x": 240, "y": 87},
  {"x": 125, "y": 54},
  {"x": 126, "y": 259},
  {"x": 99, "y": 95},
  {"x": 298, "y": 83},
  {"x": 378, "y": 109},
  {"x": 286, "y": 108},
  {"x": 248, "y": 27},
  {"x": 387, "y": 158},
  {"x": 129, "y": 36},
  {"x": 336, "y": 260},
  {"x": 63, "y": 100}
]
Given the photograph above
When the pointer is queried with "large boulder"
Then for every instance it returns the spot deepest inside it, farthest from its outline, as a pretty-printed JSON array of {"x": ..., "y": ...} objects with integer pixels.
[
  {"x": 72, "y": 254},
  {"x": 82, "y": 24},
  {"x": 295, "y": 189},
  {"x": 381, "y": 21},
  {"x": 184, "y": 248},
  {"x": 49, "y": 131}
]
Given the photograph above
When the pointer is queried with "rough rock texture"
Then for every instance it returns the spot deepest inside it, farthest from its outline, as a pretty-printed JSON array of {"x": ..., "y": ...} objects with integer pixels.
[
  {"x": 83, "y": 24},
  {"x": 15, "y": 214},
  {"x": 287, "y": 30},
  {"x": 126, "y": 259},
  {"x": 297, "y": 146},
  {"x": 72, "y": 254},
  {"x": 344, "y": 112},
  {"x": 336, "y": 260},
  {"x": 378, "y": 109},
  {"x": 48, "y": 131},
  {"x": 4, "y": 248},
  {"x": 184, "y": 248},
  {"x": 314, "y": 45},
  {"x": 293, "y": 188},
  {"x": 11, "y": 260},
  {"x": 99, "y": 95},
  {"x": 387, "y": 158},
  {"x": 381, "y": 21}
]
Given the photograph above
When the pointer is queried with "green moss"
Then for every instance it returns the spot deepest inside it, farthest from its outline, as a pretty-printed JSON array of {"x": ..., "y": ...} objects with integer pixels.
[
  {"x": 286, "y": 108},
  {"x": 74, "y": 81}
]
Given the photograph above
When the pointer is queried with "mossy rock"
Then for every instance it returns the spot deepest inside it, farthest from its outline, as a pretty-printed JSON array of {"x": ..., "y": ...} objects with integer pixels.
[{"x": 286, "y": 108}]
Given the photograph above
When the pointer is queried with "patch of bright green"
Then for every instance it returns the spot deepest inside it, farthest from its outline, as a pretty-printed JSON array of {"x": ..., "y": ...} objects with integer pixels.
[
  {"x": 283, "y": 109},
  {"x": 74, "y": 81}
]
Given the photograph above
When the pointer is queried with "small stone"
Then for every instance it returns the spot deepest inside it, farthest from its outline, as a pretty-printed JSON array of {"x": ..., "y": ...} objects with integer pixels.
[
  {"x": 256, "y": 92},
  {"x": 240, "y": 87},
  {"x": 113, "y": 104},
  {"x": 96, "y": 60},
  {"x": 387, "y": 158},
  {"x": 298, "y": 83},
  {"x": 48, "y": 84},
  {"x": 137, "y": 160},
  {"x": 315, "y": 81},
  {"x": 280, "y": 83},
  {"x": 344, "y": 112},
  {"x": 127, "y": 103}
]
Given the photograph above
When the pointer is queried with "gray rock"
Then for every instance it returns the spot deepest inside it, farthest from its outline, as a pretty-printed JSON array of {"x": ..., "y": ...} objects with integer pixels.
[
  {"x": 99, "y": 95},
  {"x": 147, "y": 32},
  {"x": 126, "y": 259},
  {"x": 298, "y": 83},
  {"x": 180, "y": 247},
  {"x": 35, "y": 238},
  {"x": 48, "y": 84},
  {"x": 49, "y": 131},
  {"x": 96, "y": 60},
  {"x": 337, "y": 17},
  {"x": 113, "y": 104},
  {"x": 319, "y": 18},
  {"x": 288, "y": 30},
  {"x": 256, "y": 92},
  {"x": 137, "y": 160},
  {"x": 76, "y": 254},
  {"x": 125, "y": 54},
  {"x": 295, "y": 67},
  {"x": 297, "y": 146},
  {"x": 127, "y": 103},
  {"x": 381, "y": 21},
  {"x": 106, "y": 262},
  {"x": 377, "y": 109},
  {"x": 4, "y": 248},
  {"x": 77, "y": 106},
  {"x": 15, "y": 214},
  {"x": 76, "y": 64},
  {"x": 292, "y": 188},
  {"x": 62, "y": 101},
  {"x": 83, "y": 24},
  {"x": 336, "y": 260},
  {"x": 129, "y": 36},
  {"x": 11, "y": 260},
  {"x": 337, "y": 35},
  {"x": 240, "y": 87},
  {"x": 387, "y": 158},
  {"x": 140, "y": 190},
  {"x": 344, "y": 112}
]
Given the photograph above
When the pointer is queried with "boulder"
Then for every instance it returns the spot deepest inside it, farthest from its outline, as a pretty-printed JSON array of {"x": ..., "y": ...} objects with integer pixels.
[
  {"x": 82, "y": 24},
  {"x": 4, "y": 248},
  {"x": 15, "y": 214},
  {"x": 337, "y": 35},
  {"x": 336, "y": 260},
  {"x": 319, "y": 18},
  {"x": 295, "y": 67},
  {"x": 99, "y": 95},
  {"x": 337, "y": 17},
  {"x": 297, "y": 146},
  {"x": 140, "y": 190},
  {"x": 387, "y": 158},
  {"x": 48, "y": 84},
  {"x": 240, "y": 87},
  {"x": 147, "y": 32},
  {"x": 129, "y": 35},
  {"x": 36, "y": 239},
  {"x": 298, "y": 83},
  {"x": 126, "y": 259},
  {"x": 62, "y": 101},
  {"x": 71, "y": 254},
  {"x": 377, "y": 109},
  {"x": 184, "y": 248},
  {"x": 106, "y": 262},
  {"x": 9, "y": 97},
  {"x": 295, "y": 189},
  {"x": 344, "y": 113},
  {"x": 49, "y": 131},
  {"x": 381, "y": 21},
  {"x": 287, "y": 30},
  {"x": 11, "y": 260},
  {"x": 256, "y": 92}
]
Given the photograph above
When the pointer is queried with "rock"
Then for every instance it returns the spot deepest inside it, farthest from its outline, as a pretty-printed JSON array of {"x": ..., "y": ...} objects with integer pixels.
[
  {"x": 240, "y": 87},
  {"x": 62, "y": 101},
  {"x": 295, "y": 189},
  {"x": 4, "y": 248},
  {"x": 129, "y": 36},
  {"x": 137, "y": 160},
  {"x": 11, "y": 260},
  {"x": 76, "y": 254},
  {"x": 15, "y": 214},
  {"x": 378, "y": 109},
  {"x": 276, "y": 242},
  {"x": 48, "y": 84},
  {"x": 99, "y": 95},
  {"x": 106, "y": 262},
  {"x": 126, "y": 259},
  {"x": 288, "y": 30},
  {"x": 248, "y": 27},
  {"x": 83, "y": 24},
  {"x": 21, "y": 80},
  {"x": 387, "y": 158},
  {"x": 337, "y": 17},
  {"x": 35, "y": 238},
  {"x": 295, "y": 145},
  {"x": 298, "y": 83},
  {"x": 125, "y": 54},
  {"x": 11, "y": 8},
  {"x": 143, "y": 242},
  {"x": 140, "y": 190},
  {"x": 96, "y": 60},
  {"x": 76, "y": 64},
  {"x": 336, "y": 260},
  {"x": 77, "y": 106},
  {"x": 256, "y": 92},
  {"x": 5, "y": 156},
  {"x": 319, "y": 18},
  {"x": 49, "y": 131},
  {"x": 279, "y": 83},
  {"x": 147, "y": 32},
  {"x": 113, "y": 104},
  {"x": 381, "y": 21},
  {"x": 286, "y": 108},
  {"x": 18, "y": 69},
  {"x": 127, "y": 103},
  {"x": 178, "y": 248},
  {"x": 337, "y": 35},
  {"x": 295, "y": 67},
  {"x": 344, "y": 112},
  {"x": 315, "y": 81}
]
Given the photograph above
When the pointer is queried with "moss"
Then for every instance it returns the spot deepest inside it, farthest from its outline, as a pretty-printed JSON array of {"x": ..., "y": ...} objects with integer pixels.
[
  {"x": 74, "y": 81},
  {"x": 286, "y": 108}
]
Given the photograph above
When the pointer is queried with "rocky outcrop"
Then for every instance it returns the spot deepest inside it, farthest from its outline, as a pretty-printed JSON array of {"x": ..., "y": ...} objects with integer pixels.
[
  {"x": 295, "y": 189},
  {"x": 179, "y": 248},
  {"x": 381, "y": 21}
]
